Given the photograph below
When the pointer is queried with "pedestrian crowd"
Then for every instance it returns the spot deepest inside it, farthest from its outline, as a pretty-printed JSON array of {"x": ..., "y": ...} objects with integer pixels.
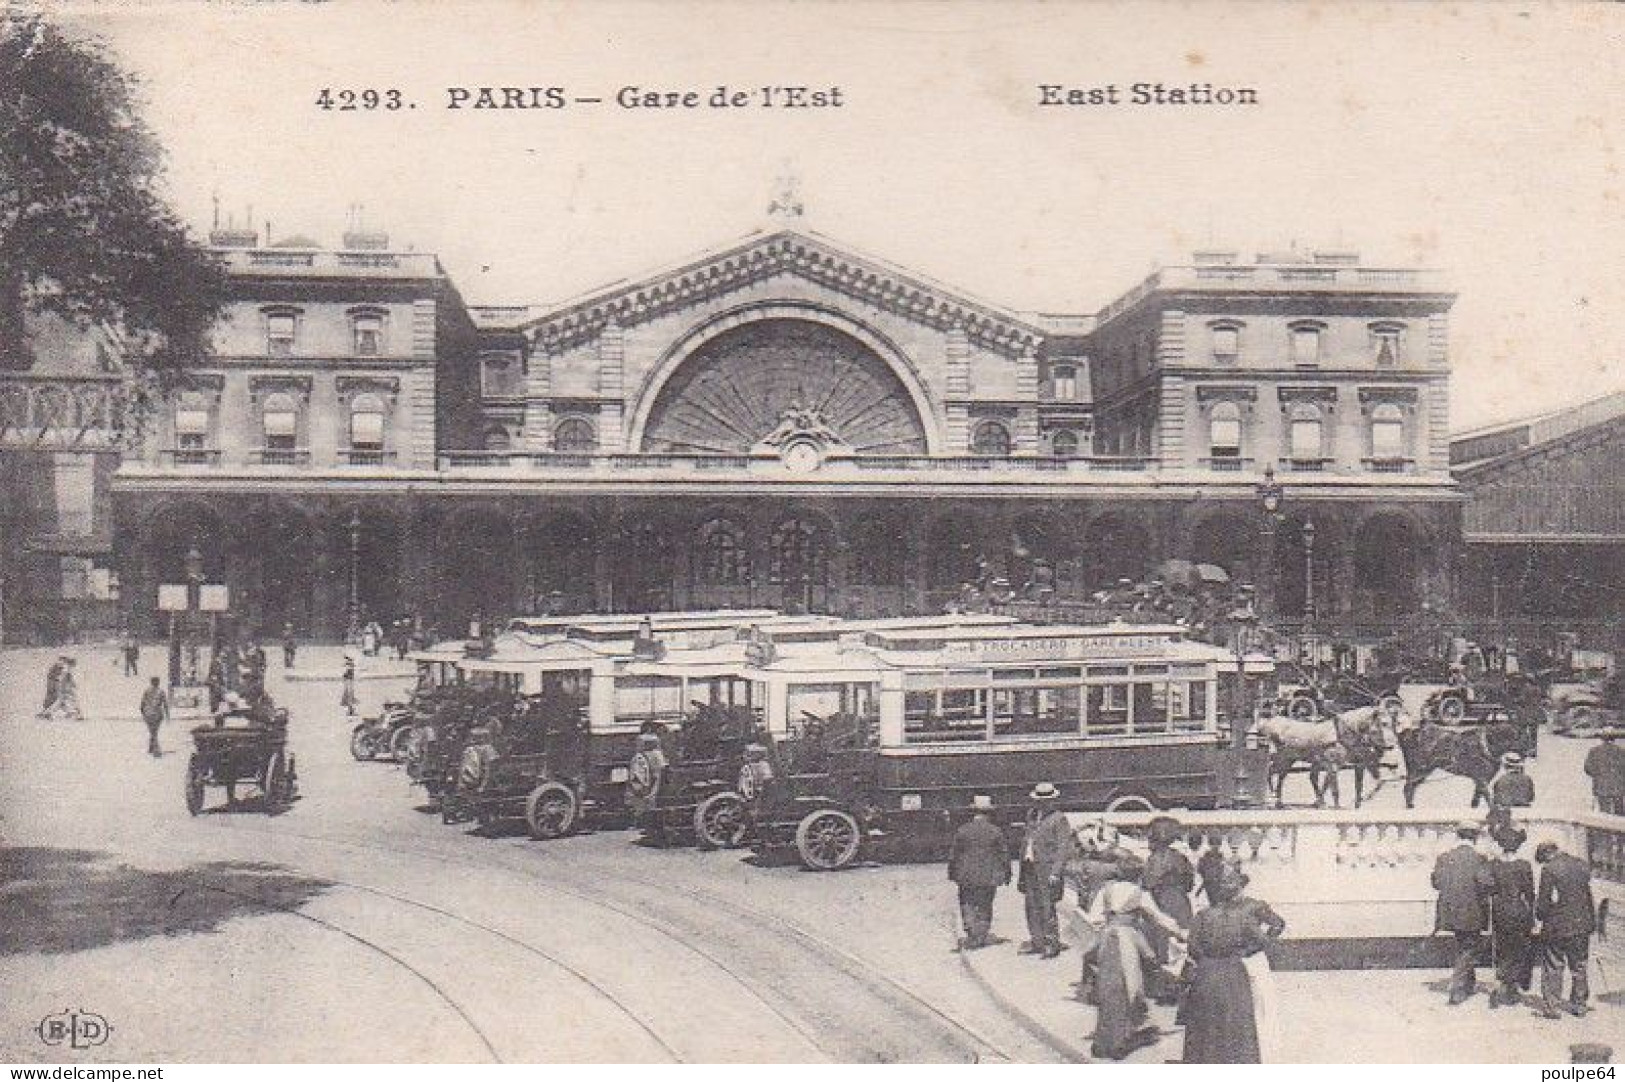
[{"x": 1135, "y": 921}]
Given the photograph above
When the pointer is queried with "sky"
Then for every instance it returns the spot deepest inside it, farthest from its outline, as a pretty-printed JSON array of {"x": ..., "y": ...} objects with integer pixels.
[{"x": 1482, "y": 139}]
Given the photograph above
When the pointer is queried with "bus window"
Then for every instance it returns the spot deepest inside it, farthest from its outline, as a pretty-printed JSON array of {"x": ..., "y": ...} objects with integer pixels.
[
  {"x": 1187, "y": 706},
  {"x": 1108, "y": 710},
  {"x": 957, "y": 714},
  {"x": 1150, "y": 708},
  {"x": 1039, "y": 711},
  {"x": 827, "y": 700},
  {"x": 571, "y": 682},
  {"x": 648, "y": 698},
  {"x": 507, "y": 681}
]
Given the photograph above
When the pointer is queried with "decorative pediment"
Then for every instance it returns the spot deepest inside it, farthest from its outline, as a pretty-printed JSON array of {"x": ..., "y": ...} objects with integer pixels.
[
  {"x": 779, "y": 253},
  {"x": 1376, "y": 396},
  {"x": 260, "y": 386},
  {"x": 350, "y": 386},
  {"x": 1325, "y": 397},
  {"x": 1226, "y": 392}
]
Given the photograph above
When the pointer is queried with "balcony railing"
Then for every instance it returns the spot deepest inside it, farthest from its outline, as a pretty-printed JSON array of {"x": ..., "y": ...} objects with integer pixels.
[
  {"x": 1389, "y": 465},
  {"x": 366, "y": 456},
  {"x": 739, "y": 463},
  {"x": 281, "y": 456},
  {"x": 1306, "y": 465},
  {"x": 1227, "y": 464},
  {"x": 192, "y": 456}
]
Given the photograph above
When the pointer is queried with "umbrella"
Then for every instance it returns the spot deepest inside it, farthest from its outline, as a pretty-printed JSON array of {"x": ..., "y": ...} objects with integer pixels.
[
  {"x": 1212, "y": 573},
  {"x": 1177, "y": 572}
]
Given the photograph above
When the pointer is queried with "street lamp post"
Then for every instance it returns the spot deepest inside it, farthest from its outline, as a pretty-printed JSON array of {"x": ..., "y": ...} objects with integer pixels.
[
  {"x": 353, "y": 629},
  {"x": 1269, "y": 499},
  {"x": 194, "y": 592},
  {"x": 1309, "y": 594}
]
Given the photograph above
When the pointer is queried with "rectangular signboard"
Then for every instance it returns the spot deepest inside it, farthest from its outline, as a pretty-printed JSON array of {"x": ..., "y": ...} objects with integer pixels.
[
  {"x": 172, "y": 599},
  {"x": 213, "y": 598}
]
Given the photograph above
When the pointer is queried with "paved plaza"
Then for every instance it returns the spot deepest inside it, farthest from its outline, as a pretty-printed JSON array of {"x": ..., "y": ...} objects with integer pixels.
[{"x": 357, "y": 927}]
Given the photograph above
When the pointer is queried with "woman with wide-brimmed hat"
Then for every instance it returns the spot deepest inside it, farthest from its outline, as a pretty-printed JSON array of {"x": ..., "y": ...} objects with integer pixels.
[
  {"x": 1229, "y": 1009},
  {"x": 1123, "y": 957}
]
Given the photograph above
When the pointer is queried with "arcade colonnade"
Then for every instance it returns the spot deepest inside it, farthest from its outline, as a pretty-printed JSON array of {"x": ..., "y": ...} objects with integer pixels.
[{"x": 296, "y": 558}]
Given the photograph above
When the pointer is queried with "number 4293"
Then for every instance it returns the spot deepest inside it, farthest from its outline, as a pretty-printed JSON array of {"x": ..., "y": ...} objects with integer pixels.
[{"x": 350, "y": 101}]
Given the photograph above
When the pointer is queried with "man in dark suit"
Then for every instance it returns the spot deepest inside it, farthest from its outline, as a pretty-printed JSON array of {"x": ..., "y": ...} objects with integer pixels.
[
  {"x": 1605, "y": 764},
  {"x": 1045, "y": 850},
  {"x": 979, "y": 862},
  {"x": 1567, "y": 916},
  {"x": 1457, "y": 876}
]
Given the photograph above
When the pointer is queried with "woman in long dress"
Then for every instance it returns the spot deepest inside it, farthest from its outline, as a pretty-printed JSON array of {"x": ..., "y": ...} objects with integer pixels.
[
  {"x": 1122, "y": 954},
  {"x": 1229, "y": 1009}
]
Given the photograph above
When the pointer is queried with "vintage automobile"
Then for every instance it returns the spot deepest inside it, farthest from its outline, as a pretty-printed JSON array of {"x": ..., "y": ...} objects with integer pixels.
[
  {"x": 443, "y": 725},
  {"x": 890, "y": 741},
  {"x": 388, "y": 733},
  {"x": 1583, "y": 708},
  {"x": 528, "y": 764},
  {"x": 243, "y": 746}
]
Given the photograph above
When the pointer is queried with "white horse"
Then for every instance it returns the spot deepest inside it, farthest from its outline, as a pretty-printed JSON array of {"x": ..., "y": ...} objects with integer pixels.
[{"x": 1356, "y": 738}]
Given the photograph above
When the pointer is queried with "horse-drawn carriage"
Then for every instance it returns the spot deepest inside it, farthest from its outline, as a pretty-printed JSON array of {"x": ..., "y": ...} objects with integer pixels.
[{"x": 248, "y": 747}]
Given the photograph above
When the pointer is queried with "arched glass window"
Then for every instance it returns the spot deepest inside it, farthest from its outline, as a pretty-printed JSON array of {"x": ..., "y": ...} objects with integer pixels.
[
  {"x": 497, "y": 439},
  {"x": 724, "y": 557},
  {"x": 281, "y": 420},
  {"x": 575, "y": 436},
  {"x": 991, "y": 439},
  {"x": 1387, "y": 432},
  {"x": 1064, "y": 444},
  {"x": 796, "y": 554},
  {"x": 367, "y": 423},
  {"x": 1224, "y": 430},
  {"x": 1304, "y": 436}
]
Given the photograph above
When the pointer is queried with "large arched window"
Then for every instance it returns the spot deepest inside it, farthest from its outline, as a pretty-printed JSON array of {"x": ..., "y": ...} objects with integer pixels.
[
  {"x": 1064, "y": 444},
  {"x": 1224, "y": 431},
  {"x": 1387, "y": 433},
  {"x": 796, "y": 554},
  {"x": 367, "y": 423},
  {"x": 280, "y": 417},
  {"x": 724, "y": 558},
  {"x": 991, "y": 439},
  {"x": 1305, "y": 441},
  {"x": 575, "y": 436}
]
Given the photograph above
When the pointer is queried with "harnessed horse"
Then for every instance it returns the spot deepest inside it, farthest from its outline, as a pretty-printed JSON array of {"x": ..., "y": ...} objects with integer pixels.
[
  {"x": 1476, "y": 755},
  {"x": 1354, "y": 738}
]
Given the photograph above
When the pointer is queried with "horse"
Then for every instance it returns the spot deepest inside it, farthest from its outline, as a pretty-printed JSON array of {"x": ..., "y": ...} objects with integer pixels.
[
  {"x": 1468, "y": 753},
  {"x": 1354, "y": 738}
]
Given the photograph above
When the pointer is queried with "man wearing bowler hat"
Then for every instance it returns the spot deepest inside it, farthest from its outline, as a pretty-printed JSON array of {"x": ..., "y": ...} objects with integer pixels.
[
  {"x": 979, "y": 863},
  {"x": 1045, "y": 850},
  {"x": 1458, "y": 876}
]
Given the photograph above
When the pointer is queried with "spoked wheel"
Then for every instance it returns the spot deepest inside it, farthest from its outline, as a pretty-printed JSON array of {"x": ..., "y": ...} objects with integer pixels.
[
  {"x": 550, "y": 811},
  {"x": 1131, "y": 802},
  {"x": 194, "y": 785},
  {"x": 362, "y": 744},
  {"x": 720, "y": 821},
  {"x": 400, "y": 744},
  {"x": 274, "y": 781},
  {"x": 1452, "y": 710},
  {"x": 1303, "y": 708},
  {"x": 828, "y": 840}
]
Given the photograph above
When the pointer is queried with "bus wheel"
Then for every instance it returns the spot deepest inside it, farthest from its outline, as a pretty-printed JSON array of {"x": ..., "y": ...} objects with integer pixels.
[
  {"x": 828, "y": 840},
  {"x": 550, "y": 811},
  {"x": 1452, "y": 710},
  {"x": 720, "y": 821},
  {"x": 1131, "y": 802}
]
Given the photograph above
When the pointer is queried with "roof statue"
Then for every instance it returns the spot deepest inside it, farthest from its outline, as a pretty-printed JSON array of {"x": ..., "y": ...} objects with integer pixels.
[{"x": 786, "y": 207}]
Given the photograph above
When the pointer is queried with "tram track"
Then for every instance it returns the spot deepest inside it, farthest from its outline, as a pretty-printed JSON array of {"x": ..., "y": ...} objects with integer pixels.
[{"x": 768, "y": 981}]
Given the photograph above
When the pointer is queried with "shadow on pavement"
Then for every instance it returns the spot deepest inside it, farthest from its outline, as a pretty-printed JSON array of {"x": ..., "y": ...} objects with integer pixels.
[{"x": 58, "y": 901}]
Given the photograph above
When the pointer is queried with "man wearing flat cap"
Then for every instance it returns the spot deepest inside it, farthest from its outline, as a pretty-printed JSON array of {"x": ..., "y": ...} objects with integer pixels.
[
  {"x": 979, "y": 864},
  {"x": 1458, "y": 876},
  {"x": 1045, "y": 851}
]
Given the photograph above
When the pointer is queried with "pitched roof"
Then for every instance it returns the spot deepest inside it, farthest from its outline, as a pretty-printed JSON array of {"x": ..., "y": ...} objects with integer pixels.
[{"x": 762, "y": 254}]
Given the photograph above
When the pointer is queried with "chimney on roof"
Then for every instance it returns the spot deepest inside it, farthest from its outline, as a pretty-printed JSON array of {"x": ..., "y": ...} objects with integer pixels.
[
  {"x": 230, "y": 235},
  {"x": 358, "y": 238}
]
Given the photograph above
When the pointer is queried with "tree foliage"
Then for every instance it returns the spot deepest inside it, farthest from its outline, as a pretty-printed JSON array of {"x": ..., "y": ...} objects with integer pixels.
[{"x": 83, "y": 231}]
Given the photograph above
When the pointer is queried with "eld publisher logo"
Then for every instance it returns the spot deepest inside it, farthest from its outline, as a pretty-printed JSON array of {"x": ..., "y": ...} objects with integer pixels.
[{"x": 75, "y": 1029}]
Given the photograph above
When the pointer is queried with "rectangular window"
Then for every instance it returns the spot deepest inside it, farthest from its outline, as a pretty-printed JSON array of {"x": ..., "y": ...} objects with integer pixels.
[
  {"x": 279, "y": 333},
  {"x": 1065, "y": 384},
  {"x": 955, "y": 714},
  {"x": 1388, "y": 440},
  {"x": 1150, "y": 708},
  {"x": 1108, "y": 709},
  {"x": 644, "y": 698},
  {"x": 1038, "y": 711},
  {"x": 501, "y": 376},
  {"x": 1187, "y": 706},
  {"x": 192, "y": 422},
  {"x": 1385, "y": 346},
  {"x": 1226, "y": 343},
  {"x": 1306, "y": 346},
  {"x": 1226, "y": 432},
  {"x": 369, "y": 336},
  {"x": 280, "y": 424}
]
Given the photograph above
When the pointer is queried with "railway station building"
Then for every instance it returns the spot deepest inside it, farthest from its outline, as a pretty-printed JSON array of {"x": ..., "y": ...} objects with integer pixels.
[{"x": 784, "y": 421}]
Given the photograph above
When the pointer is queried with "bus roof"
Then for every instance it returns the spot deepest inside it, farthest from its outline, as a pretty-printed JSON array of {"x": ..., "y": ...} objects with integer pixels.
[
  {"x": 935, "y": 638},
  {"x": 629, "y": 622}
]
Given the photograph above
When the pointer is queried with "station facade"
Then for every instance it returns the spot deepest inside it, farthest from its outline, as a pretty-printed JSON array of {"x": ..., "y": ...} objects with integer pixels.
[{"x": 786, "y": 422}]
